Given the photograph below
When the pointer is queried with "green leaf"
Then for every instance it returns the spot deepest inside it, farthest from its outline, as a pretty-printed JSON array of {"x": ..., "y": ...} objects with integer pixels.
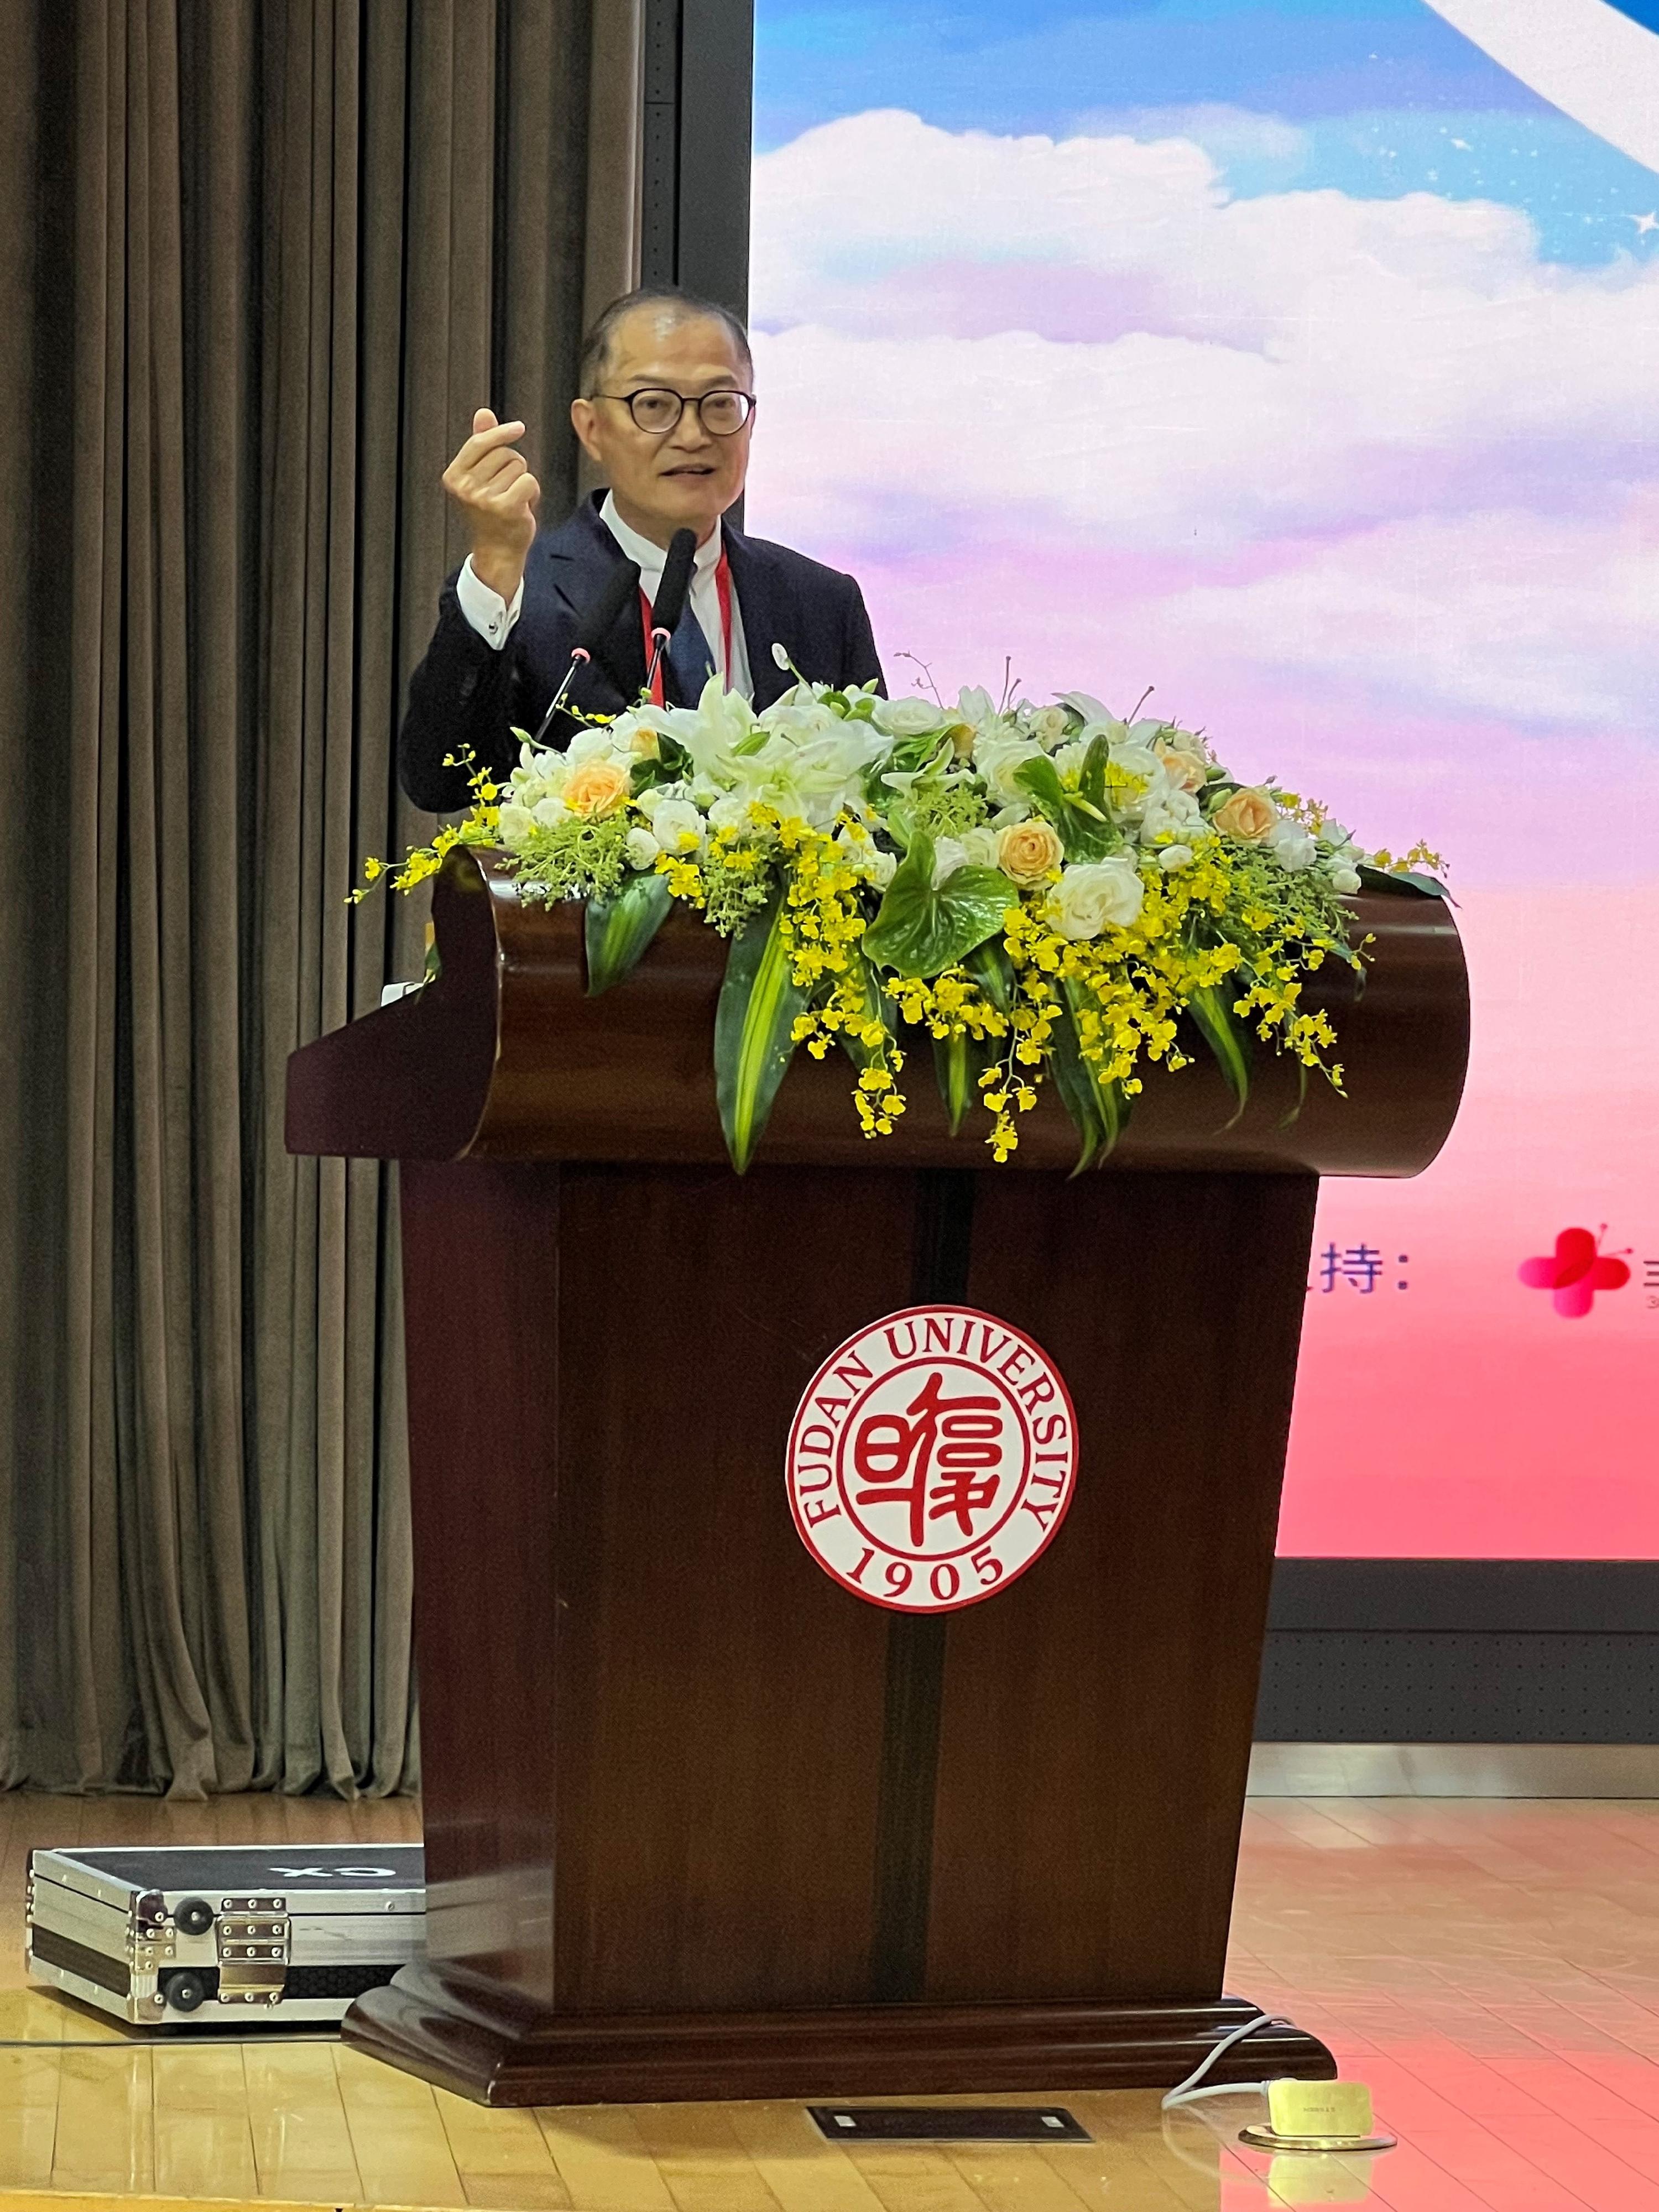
[
  {"x": 754, "y": 1026},
  {"x": 1114, "y": 1104},
  {"x": 1212, "y": 1009},
  {"x": 1077, "y": 1089},
  {"x": 1290, "y": 1120},
  {"x": 1083, "y": 829},
  {"x": 875, "y": 1004},
  {"x": 920, "y": 930},
  {"x": 1091, "y": 780},
  {"x": 957, "y": 1062},
  {"x": 1409, "y": 880},
  {"x": 1104, "y": 1099},
  {"x": 994, "y": 971},
  {"x": 617, "y": 930}
]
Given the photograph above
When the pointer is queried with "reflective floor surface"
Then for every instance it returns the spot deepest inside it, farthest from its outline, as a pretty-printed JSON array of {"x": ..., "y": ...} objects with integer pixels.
[{"x": 1491, "y": 1969}]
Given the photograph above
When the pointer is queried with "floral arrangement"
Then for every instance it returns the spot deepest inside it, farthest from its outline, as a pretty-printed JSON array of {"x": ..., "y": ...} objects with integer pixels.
[{"x": 1035, "y": 890}]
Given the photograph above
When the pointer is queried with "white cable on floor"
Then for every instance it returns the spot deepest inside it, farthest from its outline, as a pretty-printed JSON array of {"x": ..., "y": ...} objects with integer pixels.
[{"x": 1185, "y": 2092}]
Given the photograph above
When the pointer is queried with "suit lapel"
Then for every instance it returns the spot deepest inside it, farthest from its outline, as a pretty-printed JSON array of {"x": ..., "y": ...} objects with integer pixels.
[{"x": 752, "y": 582}]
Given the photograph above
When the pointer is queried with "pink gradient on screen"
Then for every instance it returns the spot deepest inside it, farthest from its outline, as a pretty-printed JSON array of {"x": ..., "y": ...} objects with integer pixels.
[
  {"x": 1464, "y": 1416},
  {"x": 1367, "y": 489}
]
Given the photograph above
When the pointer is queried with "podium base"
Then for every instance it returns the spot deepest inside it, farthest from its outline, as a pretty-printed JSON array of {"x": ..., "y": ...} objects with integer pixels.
[{"x": 481, "y": 2040}]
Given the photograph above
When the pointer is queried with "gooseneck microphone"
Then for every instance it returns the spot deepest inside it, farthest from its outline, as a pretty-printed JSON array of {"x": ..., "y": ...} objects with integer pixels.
[
  {"x": 590, "y": 628},
  {"x": 669, "y": 603}
]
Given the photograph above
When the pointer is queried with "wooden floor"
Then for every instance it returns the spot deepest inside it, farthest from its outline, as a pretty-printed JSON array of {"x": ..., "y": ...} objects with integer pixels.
[{"x": 1491, "y": 1968}]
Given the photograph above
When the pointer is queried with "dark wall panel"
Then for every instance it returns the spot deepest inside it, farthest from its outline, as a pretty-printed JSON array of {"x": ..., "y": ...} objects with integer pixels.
[{"x": 1461, "y": 1652}]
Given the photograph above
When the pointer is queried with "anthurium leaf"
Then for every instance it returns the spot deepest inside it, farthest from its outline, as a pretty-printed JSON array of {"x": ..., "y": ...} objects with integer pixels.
[
  {"x": 1084, "y": 829},
  {"x": 1221, "y": 1029},
  {"x": 1409, "y": 880},
  {"x": 920, "y": 930},
  {"x": 617, "y": 930},
  {"x": 754, "y": 1026}
]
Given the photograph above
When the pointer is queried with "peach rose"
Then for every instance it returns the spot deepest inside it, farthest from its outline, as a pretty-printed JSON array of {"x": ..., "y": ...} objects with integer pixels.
[
  {"x": 596, "y": 789},
  {"x": 1189, "y": 769},
  {"x": 1026, "y": 851},
  {"x": 1248, "y": 815}
]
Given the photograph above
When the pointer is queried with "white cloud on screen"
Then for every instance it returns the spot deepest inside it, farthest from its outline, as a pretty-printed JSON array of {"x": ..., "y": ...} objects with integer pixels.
[
  {"x": 1376, "y": 436},
  {"x": 1490, "y": 613}
]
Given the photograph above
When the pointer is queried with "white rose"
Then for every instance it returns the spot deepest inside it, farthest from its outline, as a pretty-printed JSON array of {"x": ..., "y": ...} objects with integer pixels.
[
  {"x": 514, "y": 825},
  {"x": 1291, "y": 846},
  {"x": 949, "y": 855},
  {"x": 588, "y": 744},
  {"x": 641, "y": 849},
  {"x": 908, "y": 718},
  {"x": 550, "y": 812},
  {"x": 979, "y": 847},
  {"x": 1345, "y": 880},
  {"x": 1049, "y": 726},
  {"x": 729, "y": 811},
  {"x": 1175, "y": 856},
  {"x": 677, "y": 826},
  {"x": 1100, "y": 895}
]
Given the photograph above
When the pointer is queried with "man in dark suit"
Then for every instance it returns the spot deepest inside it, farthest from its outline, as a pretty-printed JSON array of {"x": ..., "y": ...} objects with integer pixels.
[{"x": 666, "y": 411}]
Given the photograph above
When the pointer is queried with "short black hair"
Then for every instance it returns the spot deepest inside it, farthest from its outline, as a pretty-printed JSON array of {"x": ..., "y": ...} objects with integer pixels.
[{"x": 688, "y": 307}]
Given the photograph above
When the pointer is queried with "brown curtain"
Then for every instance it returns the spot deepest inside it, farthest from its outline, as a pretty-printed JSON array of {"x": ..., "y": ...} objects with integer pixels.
[{"x": 260, "y": 263}]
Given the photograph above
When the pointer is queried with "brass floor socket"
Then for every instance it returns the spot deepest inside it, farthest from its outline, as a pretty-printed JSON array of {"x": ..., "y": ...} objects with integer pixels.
[{"x": 1266, "y": 2138}]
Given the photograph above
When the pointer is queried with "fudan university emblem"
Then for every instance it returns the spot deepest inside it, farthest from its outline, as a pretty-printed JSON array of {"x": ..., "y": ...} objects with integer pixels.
[{"x": 932, "y": 1459}]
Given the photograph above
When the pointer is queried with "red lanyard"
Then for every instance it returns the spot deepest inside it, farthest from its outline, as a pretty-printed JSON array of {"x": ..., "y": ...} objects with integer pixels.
[{"x": 723, "y": 586}]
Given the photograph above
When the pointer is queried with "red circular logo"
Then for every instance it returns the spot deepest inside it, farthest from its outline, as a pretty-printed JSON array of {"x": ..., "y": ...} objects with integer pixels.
[{"x": 932, "y": 1459}]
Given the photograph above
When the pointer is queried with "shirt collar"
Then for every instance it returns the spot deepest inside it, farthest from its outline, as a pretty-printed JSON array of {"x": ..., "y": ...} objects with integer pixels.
[{"x": 651, "y": 555}]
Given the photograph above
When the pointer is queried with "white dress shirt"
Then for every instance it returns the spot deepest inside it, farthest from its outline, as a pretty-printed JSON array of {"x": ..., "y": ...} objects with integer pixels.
[{"x": 493, "y": 617}]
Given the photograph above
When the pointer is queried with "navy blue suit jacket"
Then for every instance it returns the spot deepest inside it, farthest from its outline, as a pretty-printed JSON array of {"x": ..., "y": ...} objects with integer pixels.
[{"x": 465, "y": 693}]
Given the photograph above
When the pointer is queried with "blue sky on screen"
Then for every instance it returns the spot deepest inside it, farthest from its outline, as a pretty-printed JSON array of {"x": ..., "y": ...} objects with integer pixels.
[{"x": 1376, "y": 98}]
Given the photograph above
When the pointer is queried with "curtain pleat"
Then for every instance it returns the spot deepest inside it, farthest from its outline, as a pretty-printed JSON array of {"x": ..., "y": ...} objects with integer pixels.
[{"x": 269, "y": 255}]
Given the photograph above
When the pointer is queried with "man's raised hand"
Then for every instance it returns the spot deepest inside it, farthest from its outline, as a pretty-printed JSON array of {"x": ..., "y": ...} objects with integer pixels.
[{"x": 490, "y": 482}]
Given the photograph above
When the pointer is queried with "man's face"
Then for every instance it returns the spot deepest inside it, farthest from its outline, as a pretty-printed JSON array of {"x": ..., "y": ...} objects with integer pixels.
[{"x": 684, "y": 479}]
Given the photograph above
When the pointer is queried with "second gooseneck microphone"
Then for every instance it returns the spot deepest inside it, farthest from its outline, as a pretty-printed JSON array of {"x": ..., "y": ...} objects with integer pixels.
[
  {"x": 590, "y": 630},
  {"x": 669, "y": 603}
]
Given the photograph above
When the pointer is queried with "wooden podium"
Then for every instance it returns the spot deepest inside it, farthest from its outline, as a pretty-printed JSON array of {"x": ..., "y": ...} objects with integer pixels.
[{"x": 699, "y": 1822}]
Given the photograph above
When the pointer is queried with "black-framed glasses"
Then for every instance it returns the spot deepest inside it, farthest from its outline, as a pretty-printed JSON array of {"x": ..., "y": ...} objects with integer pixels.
[{"x": 722, "y": 414}]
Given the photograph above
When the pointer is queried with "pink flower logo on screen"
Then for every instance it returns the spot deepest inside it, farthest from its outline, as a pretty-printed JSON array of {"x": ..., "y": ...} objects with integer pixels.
[{"x": 1575, "y": 1271}]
